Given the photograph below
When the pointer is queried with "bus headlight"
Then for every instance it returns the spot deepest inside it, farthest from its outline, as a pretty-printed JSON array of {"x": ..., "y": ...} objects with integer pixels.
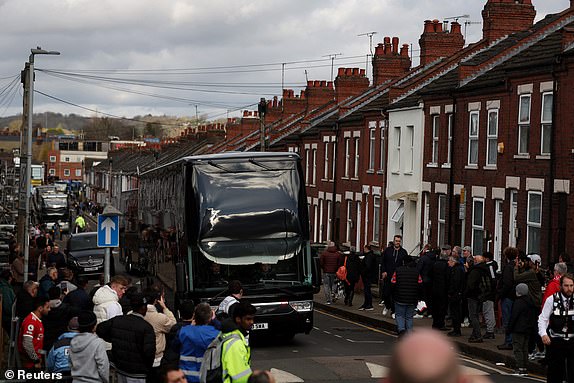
[{"x": 302, "y": 306}]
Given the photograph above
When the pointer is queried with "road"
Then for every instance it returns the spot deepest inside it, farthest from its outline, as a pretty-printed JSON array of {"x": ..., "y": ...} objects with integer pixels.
[{"x": 344, "y": 351}]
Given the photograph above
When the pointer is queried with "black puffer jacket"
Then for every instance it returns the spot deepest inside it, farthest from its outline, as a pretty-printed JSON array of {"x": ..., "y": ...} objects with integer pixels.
[
  {"x": 523, "y": 318},
  {"x": 353, "y": 267},
  {"x": 133, "y": 343}
]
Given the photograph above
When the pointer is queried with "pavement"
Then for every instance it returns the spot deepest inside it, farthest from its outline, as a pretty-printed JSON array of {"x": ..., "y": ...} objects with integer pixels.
[{"x": 486, "y": 351}]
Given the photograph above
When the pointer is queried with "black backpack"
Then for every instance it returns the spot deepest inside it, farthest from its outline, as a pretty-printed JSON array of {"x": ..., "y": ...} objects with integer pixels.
[{"x": 485, "y": 287}]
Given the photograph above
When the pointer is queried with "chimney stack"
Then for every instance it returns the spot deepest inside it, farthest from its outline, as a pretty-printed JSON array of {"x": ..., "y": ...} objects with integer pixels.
[
  {"x": 350, "y": 82},
  {"x": 503, "y": 17},
  {"x": 436, "y": 42},
  {"x": 388, "y": 63}
]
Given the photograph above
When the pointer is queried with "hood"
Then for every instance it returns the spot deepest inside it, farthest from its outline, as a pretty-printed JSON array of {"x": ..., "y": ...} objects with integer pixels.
[
  {"x": 105, "y": 294},
  {"x": 55, "y": 303},
  {"x": 81, "y": 341},
  {"x": 228, "y": 325},
  {"x": 332, "y": 249}
]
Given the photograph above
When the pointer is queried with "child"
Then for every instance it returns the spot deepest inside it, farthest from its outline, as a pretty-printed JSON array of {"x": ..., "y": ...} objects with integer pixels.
[{"x": 522, "y": 323}]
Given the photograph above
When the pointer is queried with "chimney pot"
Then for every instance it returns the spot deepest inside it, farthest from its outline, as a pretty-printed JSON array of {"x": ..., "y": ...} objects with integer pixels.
[
  {"x": 341, "y": 72},
  {"x": 455, "y": 28},
  {"x": 362, "y": 72},
  {"x": 428, "y": 26},
  {"x": 405, "y": 50},
  {"x": 323, "y": 84},
  {"x": 395, "y": 45},
  {"x": 317, "y": 83},
  {"x": 355, "y": 71},
  {"x": 245, "y": 113},
  {"x": 437, "y": 25}
]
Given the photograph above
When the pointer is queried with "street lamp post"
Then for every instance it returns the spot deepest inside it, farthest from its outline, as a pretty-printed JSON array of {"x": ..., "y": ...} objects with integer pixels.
[{"x": 27, "y": 176}]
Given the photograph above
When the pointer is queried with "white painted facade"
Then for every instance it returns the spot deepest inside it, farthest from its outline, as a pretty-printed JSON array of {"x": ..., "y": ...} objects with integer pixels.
[{"x": 404, "y": 176}]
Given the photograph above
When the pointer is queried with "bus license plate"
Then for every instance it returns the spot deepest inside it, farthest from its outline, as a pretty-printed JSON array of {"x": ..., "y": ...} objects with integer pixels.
[
  {"x": 260, "y": 326},
  {"x": 90, "y": 268}
]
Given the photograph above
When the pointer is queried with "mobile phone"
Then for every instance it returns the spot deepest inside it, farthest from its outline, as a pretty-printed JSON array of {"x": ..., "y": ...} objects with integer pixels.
[{"x": 64, "y": 287}]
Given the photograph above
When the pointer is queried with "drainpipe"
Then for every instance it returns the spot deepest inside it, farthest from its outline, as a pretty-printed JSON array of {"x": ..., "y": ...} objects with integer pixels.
[
  {"x": 550, "y": 249},
  {"x": 334, "y": 202}
]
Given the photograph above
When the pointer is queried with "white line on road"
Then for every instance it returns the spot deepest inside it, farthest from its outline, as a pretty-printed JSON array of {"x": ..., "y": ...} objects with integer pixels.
[
  {"x": 284, "y": 376},
  {"x": 377, "y": 371}
]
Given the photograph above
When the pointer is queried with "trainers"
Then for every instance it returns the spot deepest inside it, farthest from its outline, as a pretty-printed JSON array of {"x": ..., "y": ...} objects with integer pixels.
[
  {"x": 418, "y": 316},
  {"x": 532, "y": 356},
  {"x": 381, "y": 303},
  {"x": 488, "y": 335},
  {"x": 328, "y": 303},
  {"x": 465, "y": 323},
  {"x": 474, "y": 340},
  {"x": 369, "y": 308},
  {"x": 385, "y": 311},
  {"x": 540, "y": 355},
  {"x": 520, "y": 372},
  {"x": 361, "y": 308}
]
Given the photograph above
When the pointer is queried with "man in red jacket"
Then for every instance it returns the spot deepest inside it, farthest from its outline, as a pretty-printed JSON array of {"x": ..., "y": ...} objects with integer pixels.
[
  {"x": 31, "y": 340},
  {"x": 330, "y": 260},
  {"x": 554, "y": 285}
]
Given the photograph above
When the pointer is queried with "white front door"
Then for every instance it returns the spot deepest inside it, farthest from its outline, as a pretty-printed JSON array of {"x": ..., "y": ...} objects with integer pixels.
[
  {"x": 358, "y": 225},
  {"x": 512, "y": 218}
]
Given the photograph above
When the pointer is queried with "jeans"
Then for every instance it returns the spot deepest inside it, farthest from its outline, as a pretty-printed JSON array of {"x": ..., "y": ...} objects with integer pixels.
[
  {"x": 506, "y": 308},
  {"x": 488, "y": 312},
  {"x": 520, "y": 349},
  {"x": 349, "y": 292},
  {"x": 329, "y": 280},
  {"x": 387, "y": 294},
  {"x": 474, "y": 307},
  {"x": 404, "y": 317}
]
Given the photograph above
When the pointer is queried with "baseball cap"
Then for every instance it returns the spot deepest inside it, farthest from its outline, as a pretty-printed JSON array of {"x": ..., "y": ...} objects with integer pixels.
[
  {"x": 86, "y": 319},
  {"x": 521, "y": 289},
  {"x": 73, "y": 324},
  {"x": 445, "y": 247},
  {"x": 467, "y": 248},
  {"x": 535, "y": 258},
  {"x": 138, "y": 300}
]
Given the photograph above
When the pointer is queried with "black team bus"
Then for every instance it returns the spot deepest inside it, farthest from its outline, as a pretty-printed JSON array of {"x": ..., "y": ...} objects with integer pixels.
[{"x": 238, "y": 216}]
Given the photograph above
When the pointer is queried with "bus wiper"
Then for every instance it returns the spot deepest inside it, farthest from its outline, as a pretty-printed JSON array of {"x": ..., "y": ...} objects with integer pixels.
[
  {"x": 219, "y": 167},
  {"x": 251, "y": 160}
]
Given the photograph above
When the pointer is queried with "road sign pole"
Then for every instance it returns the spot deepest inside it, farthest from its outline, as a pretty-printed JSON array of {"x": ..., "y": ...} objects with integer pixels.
[{"x": 107, "y": 259}]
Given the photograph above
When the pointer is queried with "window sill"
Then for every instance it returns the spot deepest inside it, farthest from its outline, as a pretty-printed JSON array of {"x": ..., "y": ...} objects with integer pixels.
[
  {"x": 522, "y": 156},
  {"x": 395, "y": 172},
  {"x": 445, "y": 166},
  {"x": 489, "y": 167},
  {"x": 312, "y": 186},
  {"x": 370, "y": 171},
  {"x": 472, "y": 167},
  {"x": 408, "y": 173},
  {"x": 324, "y": 180},
  {"x": 354, "y": 179},
  {"x": 432, "y": 165},
  {"x": 380, "y": 172},
  {"x": 344, "y": 178},
  {"x": 543, "y": 157}
]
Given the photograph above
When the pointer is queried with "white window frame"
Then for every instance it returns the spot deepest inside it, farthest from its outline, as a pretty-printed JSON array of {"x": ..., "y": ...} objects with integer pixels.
[
  {"x": 307, "y": 166},
  {"x": 397, "y": 148},
  {"x": 435, "y": 138},
  {"x": 546, "y": 124},
  {"x": 52, "y": 172},
  {"x": 449, "y": 151},
  {"x": 533, "y": 225},
  {"x": 492, "y": 138},
  {"x": 473, "y": 138},
  {"x": 333, "y": 162},
  {"x": 441, "y": 220},
  {"x": 524, "y": 125},
  {"x": 326, "y": 170},
  {"x": 376, "y": 217},
  {"x": 347, "y": 156},
  {"x": 314, "y": 157},
  {"x": 411, "y": 163},
  {"x": 329, "y": 219},
  {"x": 382, "y": 158},
  {"x": 321, "y": 205},
  {"x": 477, "y": 228},
  {"x": 357, "y": 158},
  {"x": 52, "y": 158},
  {"x": 66, "y": 172},
  {"x": 349, "y": 228},
  {"x": 372, "y": 144},
  {"x": 78, "y": 172}
]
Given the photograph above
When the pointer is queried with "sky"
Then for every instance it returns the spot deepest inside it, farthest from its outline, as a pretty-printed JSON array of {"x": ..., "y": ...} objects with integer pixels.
[{"x": 131, "y": 58}]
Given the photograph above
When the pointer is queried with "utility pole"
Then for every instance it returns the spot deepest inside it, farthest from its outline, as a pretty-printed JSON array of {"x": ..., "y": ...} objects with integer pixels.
[
  {"x": 26, "y": 173},
  {"x": 370, "y": 34},
  {"x": 262, "y": 110},
  {"x": 332, "y": 56}
]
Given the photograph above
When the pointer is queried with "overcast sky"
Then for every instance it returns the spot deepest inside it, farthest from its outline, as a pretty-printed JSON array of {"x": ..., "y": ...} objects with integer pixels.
[{"x": 136, "y": 57}]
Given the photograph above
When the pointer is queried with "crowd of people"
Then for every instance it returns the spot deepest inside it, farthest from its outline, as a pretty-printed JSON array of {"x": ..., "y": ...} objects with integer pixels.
[{"x": 459, "y": 289}]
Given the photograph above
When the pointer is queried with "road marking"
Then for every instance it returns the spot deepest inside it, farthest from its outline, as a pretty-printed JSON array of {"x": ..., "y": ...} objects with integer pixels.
[
  {"x": 504, "y": 372},
  {"x": 338, "y": 336},
  {"x": 284, "y": 376},
  {"x": 377, "y": 371},
  {"x": 357, "y": 324},
  {"x": 473, "y": 371},
  {"x": 366, "y": 341},
  {"x": 326, "y": 332}
]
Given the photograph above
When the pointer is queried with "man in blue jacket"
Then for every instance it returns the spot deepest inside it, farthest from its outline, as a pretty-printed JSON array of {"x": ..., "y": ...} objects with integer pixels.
[
  {"x": 193, "y": 340},
  {"x": 58, "y": 358}
]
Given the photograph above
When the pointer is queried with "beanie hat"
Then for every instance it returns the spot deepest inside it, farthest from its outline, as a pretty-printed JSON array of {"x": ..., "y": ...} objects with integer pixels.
[
  {"x": 138, "y": 300},
  {"x": 73, "y": 324},
  {"x": 86, "y": 319},
  {"x": 521, "y": 289}
]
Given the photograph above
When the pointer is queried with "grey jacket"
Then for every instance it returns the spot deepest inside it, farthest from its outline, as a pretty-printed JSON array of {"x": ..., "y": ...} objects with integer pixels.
[{"x": 88, "y": 359}]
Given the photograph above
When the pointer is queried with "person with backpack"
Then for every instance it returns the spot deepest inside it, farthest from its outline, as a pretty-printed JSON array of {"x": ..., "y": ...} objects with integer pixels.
[
  {"x": 228, "y": 358},
  {"x": 477, "y": 290},
  {"x": 193, "y": 340},
  {"x": 330, "y": 261},
  {"x": 353, "y": 266},
  {"x": 58, "y": 358}
]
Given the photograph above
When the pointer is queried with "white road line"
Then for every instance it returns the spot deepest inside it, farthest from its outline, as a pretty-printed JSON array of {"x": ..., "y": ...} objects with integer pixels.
[
  {"x": 377, "y": 371},
  {"x": 338, "y": 336},
  {"x": 326, "y": 332},
  {"x": 284, "y": 376}
]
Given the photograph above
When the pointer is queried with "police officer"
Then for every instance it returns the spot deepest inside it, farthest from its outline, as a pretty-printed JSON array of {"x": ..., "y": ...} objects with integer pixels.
[{"x": 556, "y": 327}]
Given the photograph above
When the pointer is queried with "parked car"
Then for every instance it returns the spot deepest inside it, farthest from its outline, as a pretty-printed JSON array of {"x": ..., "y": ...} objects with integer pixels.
[{"x": 84, "y": 256}]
